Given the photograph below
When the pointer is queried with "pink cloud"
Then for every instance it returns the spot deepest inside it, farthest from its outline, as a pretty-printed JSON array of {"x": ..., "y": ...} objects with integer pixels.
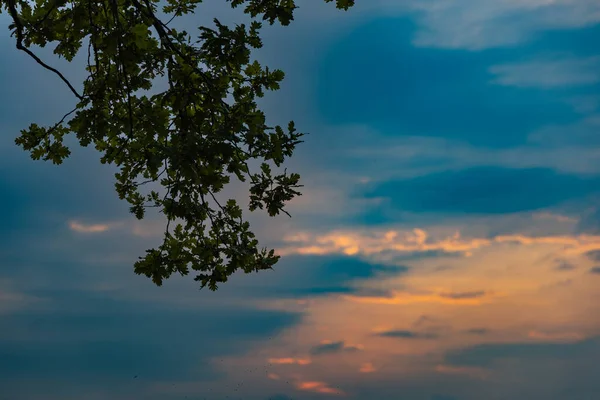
[
  {"x": 93, "y": 228},
  {"x": 367, "y": 368},
  {"x": 289, "y": 361},
  {"x": 318, "y": 387}
]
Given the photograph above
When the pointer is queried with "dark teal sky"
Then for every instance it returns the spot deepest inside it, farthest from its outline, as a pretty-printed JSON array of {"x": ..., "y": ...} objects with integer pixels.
[{"x": 445, "y": 247}]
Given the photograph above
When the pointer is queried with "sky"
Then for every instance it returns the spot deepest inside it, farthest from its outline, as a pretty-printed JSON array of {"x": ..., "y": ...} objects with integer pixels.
[{"x": 446, "y": 246}]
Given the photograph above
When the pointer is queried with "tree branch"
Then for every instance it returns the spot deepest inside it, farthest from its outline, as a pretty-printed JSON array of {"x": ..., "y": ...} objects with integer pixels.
[{"x": 19, "y": 31}]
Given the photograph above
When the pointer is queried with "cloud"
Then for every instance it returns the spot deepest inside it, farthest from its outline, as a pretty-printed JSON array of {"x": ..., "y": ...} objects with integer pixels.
[
  {"x": 83, "y": 228},
  {"x": 556, "y": 336},
  {"x": 464, "y": 295},
  {"x": 564, "y": 265},
  {"x": 555, "y": 217},
  {"x": 595, "y": 270},
  {"x": 88, "y": 338},
  {"x": 486, "y": 355},
  {"x": 564, "y": 148},
  {"x": 329, "y": 347},
  {"x": 318, "y": 387},
  {"x": 289, "y": 361},
  {"x": 585, "y": 103},
  {"x": 376, "y": 241},
  {"x": 484, "y": 190},
  {"x": 548, "y": 73},
  {"x": 474, "y": 298},
  {"x": 303, "y": 275},
  {"x": 12, "y": 300},
  {"x": 367, "y": 368},
  {"x": 593, "y": 255},
  {"x": 405, "y": 334},
  {"x": 477, "y": 331},
  {"x": 406, "y": 86},
  {"x": 590, "y": 221},
  {"x": 462, "y": 24},
  {"x": 580, "y": 134},
  {"x": 473, "y": 372}
]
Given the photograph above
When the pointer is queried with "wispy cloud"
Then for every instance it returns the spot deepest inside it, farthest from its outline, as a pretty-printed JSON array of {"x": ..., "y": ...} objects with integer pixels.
[
  {"x": 88, "y": 228},
  {"x": 13, "y": 300},
  {"x": 555, "y": 217},
  {"x": 406, "y": 334},
  {"x": 561, "y": 147},
  {"x": 289, "y": 361},
  {"x": 563, "y": 265},
  {"x": 464, "y": 295},
  {"x": 555, "y": 72},
  {"x": 474, "y": 372},
  {"x": 367, "y": 368},
  {"x": 556, "y": 336},
  {"x": 477, "y": 331},
  {"x": 318, "y": 387},
  {"x": 464, "y": 24},
  {"x": 409, "y": 298},
  {"x": 329, "y": 347},
  {"x": 375, "y": 241}
]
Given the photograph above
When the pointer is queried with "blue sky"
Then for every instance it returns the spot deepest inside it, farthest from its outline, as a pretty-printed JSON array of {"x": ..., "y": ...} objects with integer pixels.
[{"x": 445, "y": 248}]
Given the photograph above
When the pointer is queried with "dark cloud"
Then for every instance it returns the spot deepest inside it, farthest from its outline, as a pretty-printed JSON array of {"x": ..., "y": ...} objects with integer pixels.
[
  {"x": 42, "y": 197},
  {"x": 309, "y": 276},
  {"x": 373, "y": 292},
  {"x": 563, "y": 265},
  {"x": 327, "y": 348},
  {"x": 90, "y": 339},
  {"x": 595, "y": 270},
  {"x": 332, "y": 348},
  {"x": 593, "y": 255},
  {"x": 485, "y": 355},
  {"x": 463, "y": 295},
  {"x": 423, "y": 320},
  {"x": 405, "y": 334},
  {"x": 318, "y": 291},
  {"x": 478, "y": 331},
  {"x": 484, "y": 190},
  {"x": 589, "y": 222}
]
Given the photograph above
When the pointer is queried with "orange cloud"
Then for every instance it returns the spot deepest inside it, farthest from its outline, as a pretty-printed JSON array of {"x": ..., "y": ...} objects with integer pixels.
[
  {"x": 289, "y": 361},
  {"x": 418, "y": 240},
  {"x": 318, "y": 387},
  {"x": 82, "y": 228},
  {"x": 273, "y": 376},
  {"x": 458, "y": 298},
  {"x": 367, "y": 368}
]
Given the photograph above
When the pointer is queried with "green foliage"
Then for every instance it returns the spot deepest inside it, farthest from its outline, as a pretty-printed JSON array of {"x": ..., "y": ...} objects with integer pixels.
[{"x": 190, "y": 139}]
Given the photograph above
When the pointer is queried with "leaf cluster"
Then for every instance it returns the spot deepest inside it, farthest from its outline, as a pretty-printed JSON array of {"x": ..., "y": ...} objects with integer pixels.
[{"x": 189, "y": 140}]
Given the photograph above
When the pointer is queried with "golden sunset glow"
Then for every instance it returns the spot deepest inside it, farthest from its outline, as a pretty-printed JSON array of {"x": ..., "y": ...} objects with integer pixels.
[{"x": 506, "y": 289}]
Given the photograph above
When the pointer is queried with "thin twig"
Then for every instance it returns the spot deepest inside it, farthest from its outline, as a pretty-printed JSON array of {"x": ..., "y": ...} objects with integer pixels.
[{"x": 19, "y": 30}]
